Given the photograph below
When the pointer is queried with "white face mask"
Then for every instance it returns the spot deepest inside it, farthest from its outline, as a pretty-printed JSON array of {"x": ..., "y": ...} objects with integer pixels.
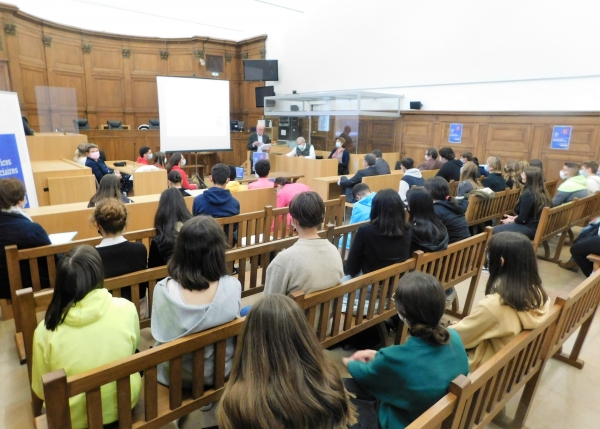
[
  {"x": 426, "y": 158},
  {"x": 563, "y": 175},
  {"x": 301, "y": 147},
  {"x": 583, "y": 173},
  {"x": 338, "y": 144},
  {"x": 183, "y": 162},
  {"x": 150, "y": 156},
  {"x": 95, "y": 155},
  {"x": 165, "y": 160}
]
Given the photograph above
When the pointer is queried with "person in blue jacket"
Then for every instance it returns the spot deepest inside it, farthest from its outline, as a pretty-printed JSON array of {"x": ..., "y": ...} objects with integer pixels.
[
  {"x": 395, "y": 385},
  {"x": 99, "y": 168},
  {"x": 361, "y": 211},
  {"x": 217, "y": 201}
]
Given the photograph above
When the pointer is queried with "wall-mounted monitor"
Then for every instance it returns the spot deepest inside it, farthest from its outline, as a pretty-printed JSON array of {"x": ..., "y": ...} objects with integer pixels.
[
  {"x": 261, "y": 93},
  {"x": 261, "y": 70}
]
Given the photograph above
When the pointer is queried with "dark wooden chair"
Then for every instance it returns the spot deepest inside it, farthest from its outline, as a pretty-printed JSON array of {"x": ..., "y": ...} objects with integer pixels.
[{"x": 553, "y": 221}]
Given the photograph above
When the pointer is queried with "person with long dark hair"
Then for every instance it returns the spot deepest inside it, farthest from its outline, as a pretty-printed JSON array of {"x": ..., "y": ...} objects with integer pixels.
[
  {"x": 395, "y": 385},
  {"x": 85, "y": 327},
  {"x": 176, "y": 163},
  {"x": 429, "y": 233},
  {"x": 529, "y": 208},
  {"x": 385, "y": 240},
  {"x": 170, "y": 216},
  {"x": 109, "y": 187},
  {"x": 281, "y": 376},
  {"x": 514, "y": 299},
  {"x": 450, "y": 210}
]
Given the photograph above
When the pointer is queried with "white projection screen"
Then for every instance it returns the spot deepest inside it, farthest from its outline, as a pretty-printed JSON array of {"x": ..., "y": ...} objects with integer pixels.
[{"x": 194, "y": 114}]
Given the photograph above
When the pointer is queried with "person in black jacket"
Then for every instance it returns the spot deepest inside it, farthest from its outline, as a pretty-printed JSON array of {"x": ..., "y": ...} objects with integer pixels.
[
  {"x": 531, "y": 203},
  {"x": 449, "y": 210},
  {"x": 119, "y": 256},
  {"x": 171, "y": 214},
  {"x": 18, "y": 229},
  {"x": 257, "y": 139},
  {"x": 495, "y": 180},
  {"x": 451, "y": 168},
  {"x": 429, "y": 234},
  {"x": 99, "y": 168},
  {"x": 369, "y": 170}
]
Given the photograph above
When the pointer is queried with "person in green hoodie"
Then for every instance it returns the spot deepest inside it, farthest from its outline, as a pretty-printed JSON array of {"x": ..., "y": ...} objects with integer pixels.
[
  {"x": 395, "y": 385},
  {"x": 574, "y": 185},
  {"x": 85, "y": 327}
]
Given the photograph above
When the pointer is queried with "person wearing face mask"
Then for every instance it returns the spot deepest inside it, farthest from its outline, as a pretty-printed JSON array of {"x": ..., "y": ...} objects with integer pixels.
[
  {"x": 176, "y": 163},
  {"x": 589, "y": 170},
  {"x": 312, "y": 263},
  {"x": 341, "y": 154},
  {"x": 431, "y": 161},
  {"x": 574, "y": 185},
  {"x": 18, "y": 229},
  {"x": 391, "y": 387},
  {"x": 99, "y": 168},
  {"x": 303, "y": 149},
  {"x": 495, "y": 180},
  {"x": 368, "y": 170},
  {"x": 145, "y": 155}
]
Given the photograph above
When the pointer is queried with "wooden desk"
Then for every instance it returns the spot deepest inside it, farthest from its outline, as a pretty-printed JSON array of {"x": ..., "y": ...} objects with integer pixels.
[
  {"x": 127, "y": 169},
  {"x": 327, "y": 187},
  {"x": 43, "y": 170},
  {"x": 309, "y": 168},
  {"x": 49, "y": 146},
  {"x": 274, "y": 175}
]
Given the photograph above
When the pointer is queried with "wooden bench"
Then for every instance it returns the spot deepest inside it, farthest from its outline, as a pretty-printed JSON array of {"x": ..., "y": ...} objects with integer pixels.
[
  {"x": 428, "y": 174},
  {"x": 482, "y": 210},
  {"x": 453, "y": 186},
  {"x": 584, "y": 210},
  {"x": 343, "y": 237},
  {"x": 551, "y": 186},
  {"x": 158, "y": 404},
  {"x": 553, "y": 221},
  {"x": 384, "y": 181},
  {"x": 324, "y": 308},
  {"x": 511, "y": 200}
]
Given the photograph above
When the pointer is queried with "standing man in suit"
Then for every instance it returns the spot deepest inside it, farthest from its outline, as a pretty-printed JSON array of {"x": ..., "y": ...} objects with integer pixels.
[
  {"x": 256, "y": 140},
  {"x": 369, "y": 170}
]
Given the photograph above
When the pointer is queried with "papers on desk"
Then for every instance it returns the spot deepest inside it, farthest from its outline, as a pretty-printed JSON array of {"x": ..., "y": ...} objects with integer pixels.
[
  {"x": 263, "y": 147},
  {"x": 62, "y": 237},
  {"x": 195, "y": 192},
  {"x": 146, "y": 168}
]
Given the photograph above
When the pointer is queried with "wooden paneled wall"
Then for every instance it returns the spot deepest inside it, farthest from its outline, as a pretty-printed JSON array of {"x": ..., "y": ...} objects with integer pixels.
[{"x": 114, "y": 77}]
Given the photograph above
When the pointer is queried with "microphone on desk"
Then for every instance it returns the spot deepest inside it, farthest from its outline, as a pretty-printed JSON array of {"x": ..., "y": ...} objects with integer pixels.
[{"x": 60, "y": 130}]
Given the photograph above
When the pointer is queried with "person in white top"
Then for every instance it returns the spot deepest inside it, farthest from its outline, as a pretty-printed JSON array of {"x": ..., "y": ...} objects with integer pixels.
[
  {"x": 303, "y": 149},
  {"x": 589, "y": 170}
]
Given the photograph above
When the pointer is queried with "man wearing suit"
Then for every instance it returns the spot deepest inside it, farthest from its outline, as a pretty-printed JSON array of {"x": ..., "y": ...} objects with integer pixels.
[
  {"x": 256, "y": 140},
  {"x": 381, "y": 165},
  {"x": 369, "y": 170}
]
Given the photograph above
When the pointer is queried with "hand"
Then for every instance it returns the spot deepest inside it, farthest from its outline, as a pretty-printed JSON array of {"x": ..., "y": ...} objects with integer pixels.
[
  {"x": 118, "y": 174},
  {"x": 508, "y": 219},
  {"x": 364, "y": 356},
  {"x": 267, "y": 150},
  {"x": 255, "y": 143}
]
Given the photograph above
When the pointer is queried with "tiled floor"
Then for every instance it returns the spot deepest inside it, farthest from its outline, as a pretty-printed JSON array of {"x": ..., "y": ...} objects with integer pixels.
[{"x": 566, "y": 397}]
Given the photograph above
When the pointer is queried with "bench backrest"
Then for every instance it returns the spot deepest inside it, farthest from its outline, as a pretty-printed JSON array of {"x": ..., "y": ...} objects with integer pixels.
[
  {"x": 553, "y": 221},
  {"x": 324, "y": 308},
  {"x": 551, "y": 186},
  {"x": 343, "y": 237},
  {"x": 251, "y": 228},
  {"x": 428, "y": 174},
  {"x": 511, "y": 200},
  {"x": 482, "y": 210},
  {"x": 383, "y": 181},
  {"x": 453, "y": 186},
  {"x": 161, "y": 404},
  {"x": 585, "y": 209}
]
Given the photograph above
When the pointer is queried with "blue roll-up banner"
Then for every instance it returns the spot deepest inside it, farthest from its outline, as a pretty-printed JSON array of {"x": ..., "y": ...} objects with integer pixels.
[
  {"x": 561, "y": 137},
  {"x": 455, "y": 135}
]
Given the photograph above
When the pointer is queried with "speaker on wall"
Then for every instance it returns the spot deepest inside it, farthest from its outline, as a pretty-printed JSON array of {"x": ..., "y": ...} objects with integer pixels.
[{"x": 416, "y": 105}]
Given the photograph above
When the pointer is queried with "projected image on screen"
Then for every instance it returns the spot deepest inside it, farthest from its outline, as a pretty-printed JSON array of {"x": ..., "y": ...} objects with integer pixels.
[{"x": 194, "y": 114}]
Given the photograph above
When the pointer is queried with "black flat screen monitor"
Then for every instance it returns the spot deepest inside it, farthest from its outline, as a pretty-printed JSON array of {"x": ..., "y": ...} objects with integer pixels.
[
  {"x": 234, "y": 125},
  {"x": 261, "y": 93},
  {"x": 261, "y": 70}
]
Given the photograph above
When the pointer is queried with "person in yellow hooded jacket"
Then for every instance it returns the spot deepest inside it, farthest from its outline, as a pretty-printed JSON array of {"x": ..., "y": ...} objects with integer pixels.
[
  {"x": 515, "y": 299},
  {"x": 85, "y": 327}
]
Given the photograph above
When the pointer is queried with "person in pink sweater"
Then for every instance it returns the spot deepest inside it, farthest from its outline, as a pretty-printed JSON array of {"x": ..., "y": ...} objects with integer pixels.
[
  {"x": 262, "y": 168},
  {"x": 286, "y": 191}
]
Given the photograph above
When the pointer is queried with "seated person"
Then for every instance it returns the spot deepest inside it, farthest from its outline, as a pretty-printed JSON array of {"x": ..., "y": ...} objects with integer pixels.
[
  {"x": 312, "y": 263},
  {"x": 286, "y": 191},
  {"x": 340, "y": 153},
  {"x": 80, "y": 156},
  {"x": 450, "y": 210},
  {"x": 385, "y": 240},
  {"x": 538, "y": 163},
  {"x": 303, "y": 149},
  {"x": 515, "y": 299},
  {"x": 368, "y": 170},
  {"x": 582, "y": 247},
  {"x": 119, "y": 256},
  {"x": 512, "y": 175},
  {"x": 176, "y": 163},
  {"x": 574, "y": 185},
  {"x": 145, "y": 155},
  {"x": 296, "y": 387},
  {"x": 199, "y": 294},
  {"x": 450, "y": 170},
  {"x": 431, "y": 160},
  {"x": 466, "y": 157},
  {"x": 171, "y": 214},
  {"x": 233, "y": 185},
  {"x": 381, "y": 165},
  {"x": 217, "y": 201},
  {"x": 361, "y": 211},
  {"x": 262, "y": 168},
  {"x": 99, "y": 168},
  {"x": 412, "y": 177},
  {"x": 482, "y": 168},
  {"x": 174, "y": 178},
  {"x": 393, "y": 386},
  {"x": 160, "y": 160},
  {"x": 18, "y": 229},
  {"x": 109, "y": 187},
  {"x": 494, "y": 180},
  {"x": 429, "y": 234},
  {"x": 589, "y": 170},
  {"x": 469, "y": 180},
  {"x": 85, "y": 327}
]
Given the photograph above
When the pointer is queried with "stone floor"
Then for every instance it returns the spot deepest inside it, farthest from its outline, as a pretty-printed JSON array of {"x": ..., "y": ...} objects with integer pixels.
[{"x": 566, "y": 397}]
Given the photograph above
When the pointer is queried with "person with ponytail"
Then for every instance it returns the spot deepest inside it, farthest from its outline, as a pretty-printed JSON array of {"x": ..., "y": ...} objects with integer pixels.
[
  {"x": 395, "y": 385},
  {"x": 514, "y": 299},
  {"x": 450, "y": 210}
]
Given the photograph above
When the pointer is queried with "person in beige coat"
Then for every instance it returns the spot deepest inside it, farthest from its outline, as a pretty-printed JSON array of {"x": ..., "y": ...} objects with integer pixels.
[{"x": 515, "y": 299}]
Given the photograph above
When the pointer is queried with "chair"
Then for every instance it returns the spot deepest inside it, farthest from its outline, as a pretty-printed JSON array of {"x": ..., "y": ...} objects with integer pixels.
[
  {"x": 81, "y": 124},
  {"x": 453, "y": 187},
  {"x": 114, "y": 125},
  {"x": 154, "y": 124}
]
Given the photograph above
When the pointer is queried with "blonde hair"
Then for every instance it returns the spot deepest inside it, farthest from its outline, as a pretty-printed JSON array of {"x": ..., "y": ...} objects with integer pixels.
[
  {"x": 80, "y": 151},
  {"x": 494, "y": 162},
  {"x": 281, "y": 377},
  {"x": 511, "y": 171},
  {"x": 470, "y": 173},
  {"x": 110, "y": 215}
]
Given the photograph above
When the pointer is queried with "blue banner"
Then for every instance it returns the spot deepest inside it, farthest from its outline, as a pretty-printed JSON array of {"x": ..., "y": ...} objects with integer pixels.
[
  {"x": 257, "y": 156},
  {"x": 455, "y": 135},
  {"x": 10, "y": 161},
  {"x": 561, "y": 137}
]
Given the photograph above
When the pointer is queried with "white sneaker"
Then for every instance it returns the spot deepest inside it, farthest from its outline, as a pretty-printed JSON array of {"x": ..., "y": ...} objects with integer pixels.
[
  {"x": 450, "y": 299},
  {"x": 206, "y": 407}
]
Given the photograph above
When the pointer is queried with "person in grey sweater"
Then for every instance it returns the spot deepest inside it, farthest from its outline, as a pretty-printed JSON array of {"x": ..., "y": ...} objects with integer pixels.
[
  {"x": 198, "y": 295},
  {"x": 312, "y": 263}
]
